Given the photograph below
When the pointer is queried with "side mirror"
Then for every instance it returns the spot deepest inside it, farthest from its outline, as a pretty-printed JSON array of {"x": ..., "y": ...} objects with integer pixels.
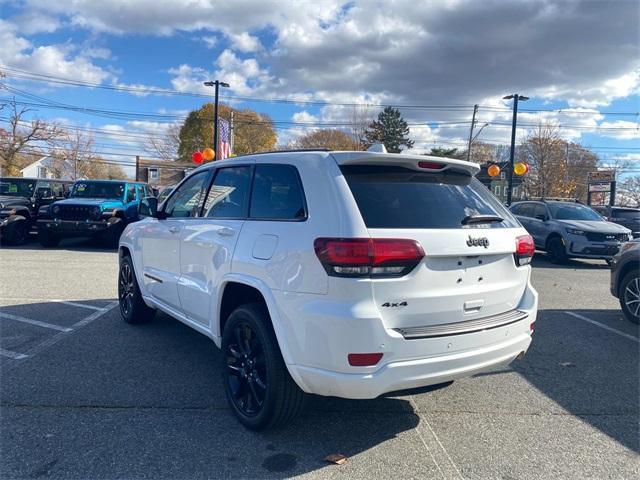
[{"x": 148, "y": 207}]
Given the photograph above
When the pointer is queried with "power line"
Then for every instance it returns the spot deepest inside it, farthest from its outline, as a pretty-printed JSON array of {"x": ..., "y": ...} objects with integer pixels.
[{"x": 33, "y": 76}]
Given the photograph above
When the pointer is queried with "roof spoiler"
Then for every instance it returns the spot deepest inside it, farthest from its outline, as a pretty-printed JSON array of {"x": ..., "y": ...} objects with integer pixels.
[{"x": 421, "y": 163}]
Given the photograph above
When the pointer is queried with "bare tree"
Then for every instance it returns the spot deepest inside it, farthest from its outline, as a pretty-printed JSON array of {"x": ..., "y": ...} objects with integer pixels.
[
  {"x": 360, "y": 119},
  {"x": 164, "y": 145},
  {"x": 23, "y": 137},
  {"x": 629, "y": 192}
]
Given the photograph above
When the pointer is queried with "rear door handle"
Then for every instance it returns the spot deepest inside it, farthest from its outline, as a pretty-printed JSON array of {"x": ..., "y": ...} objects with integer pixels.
[
  {"x": 226, "y": 231},
  {"x": 174, "y": 229}
]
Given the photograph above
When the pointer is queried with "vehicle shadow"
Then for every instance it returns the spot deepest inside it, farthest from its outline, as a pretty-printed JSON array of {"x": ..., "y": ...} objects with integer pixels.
[
  {"x": 541, "y": 260},
  {"x": 155, "y": 392},
  {"x": 589, "y": 372},
  {"x": 78, "y": 244}
]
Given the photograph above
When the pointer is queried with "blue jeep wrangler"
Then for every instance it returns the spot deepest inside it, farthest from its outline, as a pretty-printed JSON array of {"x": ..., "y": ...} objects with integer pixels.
[{"x": 95, "y": 208}]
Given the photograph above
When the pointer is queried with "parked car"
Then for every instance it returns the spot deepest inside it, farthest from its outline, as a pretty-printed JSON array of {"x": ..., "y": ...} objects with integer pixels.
[
  {"x": 625, "y": 279},
  {"x": 348, "y": 274},
  {"x": 570, "y": 230},
  {"x": 625, "y": 216},
  {"x": 96, "y": 208},
  {"x": 20, "y": 200}
]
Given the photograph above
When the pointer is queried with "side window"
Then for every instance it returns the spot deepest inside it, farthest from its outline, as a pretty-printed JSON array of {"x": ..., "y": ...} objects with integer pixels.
[
  {"x": 539, "y": 210},
  {"x": 56, "y": 189},
  {"x": 140, "y": 189},
  {"x": 131, "y": 194},
  {"x": 277, "y": 194},
  {"x": 229, "y": 193},
  {"x": 526, "y": 210},
  {"x": 185, "y": 200}
]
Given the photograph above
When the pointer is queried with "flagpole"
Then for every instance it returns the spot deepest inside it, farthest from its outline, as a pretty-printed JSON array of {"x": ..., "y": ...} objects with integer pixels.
[{"x": 216, "y": 84}]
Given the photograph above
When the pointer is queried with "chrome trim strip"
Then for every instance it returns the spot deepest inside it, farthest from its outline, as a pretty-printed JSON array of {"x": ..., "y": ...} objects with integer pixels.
[
  {"x": 466, "y": 326},
  {"x": 156, "y": 279}
]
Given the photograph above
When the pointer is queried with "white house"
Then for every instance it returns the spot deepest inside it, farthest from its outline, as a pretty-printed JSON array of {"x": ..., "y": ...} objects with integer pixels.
[{"x": 41, "y": 168}]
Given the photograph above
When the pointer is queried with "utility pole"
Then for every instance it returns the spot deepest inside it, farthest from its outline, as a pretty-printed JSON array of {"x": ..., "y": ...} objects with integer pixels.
[
  {"x": 473, "y": 123},
  {"x": 137, "y": 168},
  {"x": 512, "y": 152},
  {"x": 217, "y": 84},
  {"x": 231, "y": 132}
]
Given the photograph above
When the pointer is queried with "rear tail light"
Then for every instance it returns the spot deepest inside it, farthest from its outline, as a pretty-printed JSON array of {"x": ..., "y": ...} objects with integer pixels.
[
  {"x": 431, "y": 165},
  {"x": 525, "y": 249},
  {"x": 368, "y": 257},
  {"x": 364, "y": 359}
]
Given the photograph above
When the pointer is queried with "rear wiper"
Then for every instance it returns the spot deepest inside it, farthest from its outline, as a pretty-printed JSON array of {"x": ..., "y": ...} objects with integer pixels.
[{"x": 481, "y": 219}]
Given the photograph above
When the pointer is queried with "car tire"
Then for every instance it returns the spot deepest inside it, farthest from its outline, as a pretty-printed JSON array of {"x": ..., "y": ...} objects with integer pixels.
[
  {"x": 629, "y": 295},
  {"x": 16, "y": 232},
  {"x": 48, "y": 239},
  {"x": 132, "y": 307},
  {"x": 111, "y": 237},
  {"x": 556, "y": 250},
  {"x": 257, "y": 384}
]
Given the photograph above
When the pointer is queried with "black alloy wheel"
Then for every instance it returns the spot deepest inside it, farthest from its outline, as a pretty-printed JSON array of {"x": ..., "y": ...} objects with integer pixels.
[
  {"x": 247, "y": 378},
  {"x": 257, "y": 384},
  {"x": 132, "y": 306},
  {"x": 126, "y": 289},
  {"x": 630, "y": 297}
]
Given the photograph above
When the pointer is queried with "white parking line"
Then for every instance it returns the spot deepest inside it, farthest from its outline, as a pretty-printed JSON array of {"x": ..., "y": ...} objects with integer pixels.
[
  {"x": 13, "y": 355},
  {"x": 602, "y": 325},
  {"x": 38, "y": 323},
  {"x": 82, "y": 305},
  {"x": 76, "y": 326}
]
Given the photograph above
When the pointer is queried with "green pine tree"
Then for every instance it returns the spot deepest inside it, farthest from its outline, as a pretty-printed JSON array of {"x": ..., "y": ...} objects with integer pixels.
[{"x": 390, "y": 129}]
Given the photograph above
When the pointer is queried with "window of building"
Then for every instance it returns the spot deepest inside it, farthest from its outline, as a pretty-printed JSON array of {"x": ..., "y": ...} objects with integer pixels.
[
  {"x": 496, "y": 190},
  {"x": 154, "y": 175},
  {"x": 503, "y": 175},
  {"x": 277, "y": 194}
]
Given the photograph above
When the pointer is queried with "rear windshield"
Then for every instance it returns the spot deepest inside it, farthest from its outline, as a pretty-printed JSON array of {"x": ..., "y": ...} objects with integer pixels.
[{"x": 396, "y": 197}]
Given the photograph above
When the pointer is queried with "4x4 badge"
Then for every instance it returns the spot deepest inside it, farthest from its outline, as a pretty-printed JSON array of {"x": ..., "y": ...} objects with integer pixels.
[{"x": 478, "y": 242}]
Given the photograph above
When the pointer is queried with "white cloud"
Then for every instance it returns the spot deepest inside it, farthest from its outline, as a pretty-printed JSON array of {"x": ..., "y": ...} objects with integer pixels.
[
  {"x": 210, "y": 41},
  {"x": 620, "y": 129},
  {"x": 245, "y": 42},
  {"x": 58, "y": 60},
  {"x": 32, "y": 22}
]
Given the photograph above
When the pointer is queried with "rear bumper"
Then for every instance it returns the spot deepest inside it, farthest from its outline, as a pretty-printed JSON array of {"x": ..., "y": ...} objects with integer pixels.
[
  {"x": 79, "y": 228},
  {"x": 320, "y": 348},
  {"x": 403, "y": 375}
]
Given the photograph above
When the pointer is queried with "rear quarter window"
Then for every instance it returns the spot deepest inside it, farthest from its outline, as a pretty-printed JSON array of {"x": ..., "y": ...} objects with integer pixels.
[{"x": 397, "y": 197}]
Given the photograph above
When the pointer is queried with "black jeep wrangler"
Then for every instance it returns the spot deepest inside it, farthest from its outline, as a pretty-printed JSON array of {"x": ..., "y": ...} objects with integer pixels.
[{"x": 20, "y": 199}]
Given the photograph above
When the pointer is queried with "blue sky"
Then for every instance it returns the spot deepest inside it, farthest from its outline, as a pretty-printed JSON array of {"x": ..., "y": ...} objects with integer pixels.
[{"x": 579, "y": 57}]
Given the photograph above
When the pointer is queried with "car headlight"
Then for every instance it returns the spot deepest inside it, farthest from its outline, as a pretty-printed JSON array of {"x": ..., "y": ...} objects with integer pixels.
[
  {"x": 55, "y": 209},
  {"x": 574, "y": 231}
]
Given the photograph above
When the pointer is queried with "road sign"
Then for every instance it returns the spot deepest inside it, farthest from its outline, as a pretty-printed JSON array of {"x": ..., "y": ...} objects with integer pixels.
[
  {"x": 601, "y": 176},
  {"x": 600, "y": 186}
]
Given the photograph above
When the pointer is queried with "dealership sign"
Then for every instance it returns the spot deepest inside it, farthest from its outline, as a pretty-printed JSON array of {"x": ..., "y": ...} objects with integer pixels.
[{"x": 600, "y": 187}]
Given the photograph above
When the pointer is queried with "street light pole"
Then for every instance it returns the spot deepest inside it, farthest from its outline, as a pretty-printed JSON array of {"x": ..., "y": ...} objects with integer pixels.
[
  {"x": 512, "y": 153},
  {"x": 216, "y": 84},
  {"x": 473, "y": 124}
]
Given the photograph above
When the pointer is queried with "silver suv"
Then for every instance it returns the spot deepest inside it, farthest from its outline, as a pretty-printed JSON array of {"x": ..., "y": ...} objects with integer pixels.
[{"x": 568, "y": 229}]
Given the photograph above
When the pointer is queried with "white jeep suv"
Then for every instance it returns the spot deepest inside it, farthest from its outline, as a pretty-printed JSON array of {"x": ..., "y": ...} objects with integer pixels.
[{"x": 348, "y": 274}]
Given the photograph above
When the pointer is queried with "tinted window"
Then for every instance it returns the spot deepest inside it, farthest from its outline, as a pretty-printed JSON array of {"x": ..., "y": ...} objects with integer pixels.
[
  {"x": 17, "y": 187},
  {"x": 627, "y": 214},
  {"x": 229, "y": 194},
  {"x": 572, "y": 211},
  {"x": 185, "y": 200},
  {"x": 526, "y": 210},
  {"x": 539, "y": 211},
  {"x": 277, "y": 193},
  {"x": 396, "y": 197}
]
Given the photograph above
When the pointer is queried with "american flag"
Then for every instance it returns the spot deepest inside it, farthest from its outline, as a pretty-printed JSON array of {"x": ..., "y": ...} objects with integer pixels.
[{"x": 224, "y": 140}]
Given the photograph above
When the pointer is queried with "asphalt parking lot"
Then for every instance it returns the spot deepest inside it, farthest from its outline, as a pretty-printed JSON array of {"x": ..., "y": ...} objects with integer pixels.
[{"x": 84, "y": 395}]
